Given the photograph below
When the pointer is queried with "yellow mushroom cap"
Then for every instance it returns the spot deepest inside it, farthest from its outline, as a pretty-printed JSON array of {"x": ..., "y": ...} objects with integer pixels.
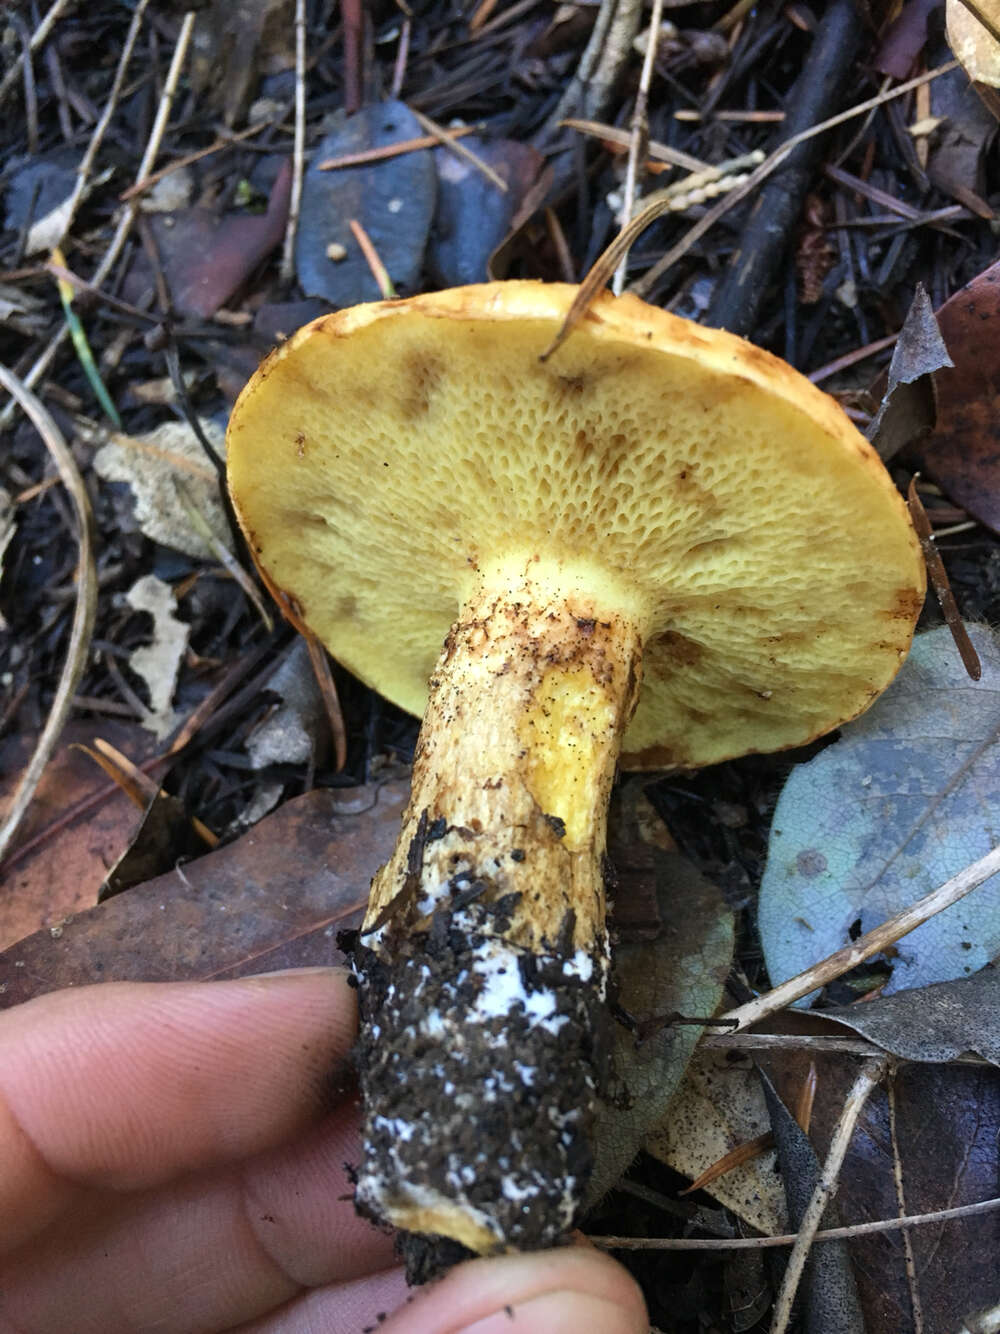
[{"x": 386, "y": 455}]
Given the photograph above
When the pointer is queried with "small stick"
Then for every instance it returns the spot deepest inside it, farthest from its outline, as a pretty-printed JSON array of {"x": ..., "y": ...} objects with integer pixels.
[
  {"x": 788, "y": 1238},
  {"x": 638, "y": 135},
  {"x": 353, "y": 16},
  {"x": 37, "y": 38},
  {"x": 817, "y": 1044},
  {"x": 30, "y": 92},
  {"x": 298, "y": 159},
  {"x": 331, "y": 700},
  {"x": 865, "y": 1084},
  {"x": 366, "y": 155},
  {"x": 620, "y": 138},
  {"x": 97, "y": 137},
  {"x": 938, "y": 576},
  {"x": 877, "y": 940},
  {"x": 852, "y": 358},
  {"x": 84, "y": 609},
  {"x": 402, "y": 56},
  {"x": 897, "y": 1175},
  {"x": 226, "y": 141},
  {"x": 772, "y": 163},
  {"x": 441, "y": 135},
  {"x": 44, "y": 361},
  {"x": 379, "y": 272},
  {"x": 764, "y": 238},
  {"x": 661, "y": 202}
]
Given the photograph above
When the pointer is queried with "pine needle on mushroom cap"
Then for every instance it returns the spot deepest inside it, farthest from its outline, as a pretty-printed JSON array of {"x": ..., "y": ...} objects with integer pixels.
[{"x": 385, "y": 453}]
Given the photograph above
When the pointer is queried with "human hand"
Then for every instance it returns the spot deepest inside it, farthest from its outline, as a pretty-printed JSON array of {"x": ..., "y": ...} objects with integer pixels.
[{"x": 172, "y": 1158}]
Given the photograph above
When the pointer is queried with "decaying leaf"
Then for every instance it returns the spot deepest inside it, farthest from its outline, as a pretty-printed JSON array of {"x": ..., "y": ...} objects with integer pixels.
[
  {"x": 207, "y": 257},
  {"x": 935, "y": 1023},
  {"x": 392, "y": 198},
  {"x": 828, "y": 1295},
  {"x": 906, "y": 798},
  {"x": 719, "y": 1106},
  {"x": 473, "y": 216},
  {"x": 963, "y": 454},
  {"x": 150, "y": 464},
  {"x": 905, "y": 38},
  {"x": 164, "y": 839},
  {"x": 907, "y": 409},
  {"x": 236, "y": 42},
  {"x": 159, "y": 661},
  {"x": 275, "y": 898},
  {"x": 61, "y": 875},
  {"x": 957, "y": 163},
  {"x": 289, "y": 735},
  {"x": 974, "y": 45},
  {"x": 680, "y": 970}
]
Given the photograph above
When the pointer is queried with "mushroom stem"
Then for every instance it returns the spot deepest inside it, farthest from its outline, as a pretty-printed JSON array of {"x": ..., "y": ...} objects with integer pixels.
[{"x": 483, "y": 960}]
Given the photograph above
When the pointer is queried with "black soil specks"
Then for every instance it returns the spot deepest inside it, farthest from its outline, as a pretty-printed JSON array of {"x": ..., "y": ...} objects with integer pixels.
[{"x": 478, "y": 1067}]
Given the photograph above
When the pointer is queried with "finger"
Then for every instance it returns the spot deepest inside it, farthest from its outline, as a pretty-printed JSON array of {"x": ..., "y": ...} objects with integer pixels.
[
  {"x": 125, "y": 1085},
  {"x": 345, "y": 1309},
  {"x": 203, "y": 1253},
  {"x": 552, "y": 1292}
]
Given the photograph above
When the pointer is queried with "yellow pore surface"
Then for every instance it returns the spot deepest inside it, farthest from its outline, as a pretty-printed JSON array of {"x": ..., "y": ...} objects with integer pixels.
[{"x": 387, "y": 454}]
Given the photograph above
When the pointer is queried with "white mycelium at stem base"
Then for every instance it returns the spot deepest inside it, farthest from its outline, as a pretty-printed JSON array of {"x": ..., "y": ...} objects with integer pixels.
[{"x": 483, "y": 959}]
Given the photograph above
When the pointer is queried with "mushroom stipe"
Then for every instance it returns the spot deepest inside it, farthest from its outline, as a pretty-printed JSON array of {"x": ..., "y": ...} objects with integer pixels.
[{"x": 662, "y": 547}]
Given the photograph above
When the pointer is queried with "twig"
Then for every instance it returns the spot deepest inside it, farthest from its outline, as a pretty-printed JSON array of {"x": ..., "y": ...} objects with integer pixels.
[
  {"x": 87, "y": 161},
  {"x": 939, "y": 581},
  {"x": 84, "y": 609},
  {"x": 638, "y": 135},
  {"x": 649, "y": 280},
  {"x": 221, "y": 552},
  {"x": 378, "y": 270},
  {"x": 611, "y": 134},
  {"x": 30, "y": 91},
  {"x": 441, "y": 135},
  {"x": 763, "y": 241},
  {"x": 826, "y": 1188},
  {"x": 663, "y": 202},
  {"x": 852, "y": 358},
  {"x": 44, "y": 361},
  {"x": 877, "y": 940},
  {"x": 331, "y": 700},
  {"x": 37, "y": 38},
  {"x": 402, "y": 55},
  {"x": 353, "y": 16},
  {"x": 813, "y": 1043},
  {"x": 224, "y": 141},
  {"x": 366, "y": 155},
  {"x": 897, "y": 1176},
  {"x": 605, "y": 54},
  {"x": 298, "y": 159},
  {"x": 789, "y": 1238}
]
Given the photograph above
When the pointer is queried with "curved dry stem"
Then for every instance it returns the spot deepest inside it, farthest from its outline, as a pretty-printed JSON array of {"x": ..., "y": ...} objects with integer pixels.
[{"x": 83, "y": 612}]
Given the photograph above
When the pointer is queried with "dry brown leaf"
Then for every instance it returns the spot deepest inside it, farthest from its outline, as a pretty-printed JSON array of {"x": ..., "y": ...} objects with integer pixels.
[{"x": 720, "y": 1105}]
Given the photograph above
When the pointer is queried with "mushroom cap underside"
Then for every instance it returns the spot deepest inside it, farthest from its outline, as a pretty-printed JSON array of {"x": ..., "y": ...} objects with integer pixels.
[{"x": 386, "y": 457}]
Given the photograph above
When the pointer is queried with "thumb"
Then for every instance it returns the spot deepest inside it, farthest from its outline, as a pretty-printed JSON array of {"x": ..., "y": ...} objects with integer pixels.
[{"x": 564, "y": 1291}]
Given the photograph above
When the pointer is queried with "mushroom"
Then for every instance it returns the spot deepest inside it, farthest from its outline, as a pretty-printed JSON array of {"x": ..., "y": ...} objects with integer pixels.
[{"x": 661, "y": 547}]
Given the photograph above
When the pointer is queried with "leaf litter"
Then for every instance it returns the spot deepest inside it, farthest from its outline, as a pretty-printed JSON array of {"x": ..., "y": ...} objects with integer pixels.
[
  {"x": 905, "y": 799},
  {"x": 518, "y": 77}
]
